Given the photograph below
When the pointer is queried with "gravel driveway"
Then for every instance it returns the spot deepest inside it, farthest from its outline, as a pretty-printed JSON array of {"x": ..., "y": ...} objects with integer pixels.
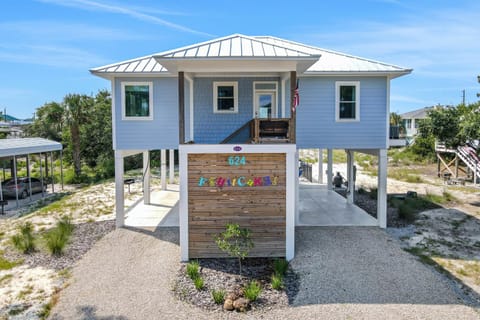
[{"x": 345, "y": 273}]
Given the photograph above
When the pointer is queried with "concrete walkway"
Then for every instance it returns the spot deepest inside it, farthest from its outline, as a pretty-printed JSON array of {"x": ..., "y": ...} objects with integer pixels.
[
  {"x": 317, "y": 207},
  {"x": 163, "y": 210},
  {"x": 344, "y": 273}
]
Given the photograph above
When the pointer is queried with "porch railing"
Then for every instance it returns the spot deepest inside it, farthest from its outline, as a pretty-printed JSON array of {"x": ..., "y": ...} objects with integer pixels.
[
  {"x": 272, "y": 130},
  {"x": 262, "y": 131},
  {"x": 243, "y": 134}
]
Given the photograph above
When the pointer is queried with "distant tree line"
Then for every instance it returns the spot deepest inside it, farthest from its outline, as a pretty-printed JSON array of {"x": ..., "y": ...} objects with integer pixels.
[
  {"x": 83, "y": 124},
  {"x": 452, "y": 125}
]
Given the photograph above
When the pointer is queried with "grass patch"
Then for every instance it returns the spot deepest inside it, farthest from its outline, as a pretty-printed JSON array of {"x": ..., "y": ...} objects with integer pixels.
[
  {"x": 24, "y": 241},
  {"x": 57, "y": 238},
  {"x": 472, "y": 270},
  {"x": 422, "y": 255},
  {"x": 444, "y": 198},
  {"x": 252, "y": 290},
  {"x": 6, "y": 264},
  {"x": 280, "y": 266},
  {"x": 5, "y": 278},
  {"x": 409, "y": 208},
  {"x": 193, "y": 270},
  {"x": 25, "y": 292},
  {"x": 199, "y": 283},
  {"x": 277, "y": 282},
  {"x": 405, "y": 174},
  {"x": 47, "y": 308},
  {"x": 407, "y": 212},
  {"x": 218, "y": 296}
]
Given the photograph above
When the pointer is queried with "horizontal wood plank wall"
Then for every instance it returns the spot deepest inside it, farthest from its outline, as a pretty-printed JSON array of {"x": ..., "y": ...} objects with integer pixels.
[{"x": 260, "y": 208}]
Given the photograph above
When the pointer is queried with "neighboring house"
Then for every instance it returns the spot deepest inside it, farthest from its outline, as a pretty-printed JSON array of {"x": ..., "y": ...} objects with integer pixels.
[
  {"x": 412, "y": 119},
  {"x": 230, "y": 106}
]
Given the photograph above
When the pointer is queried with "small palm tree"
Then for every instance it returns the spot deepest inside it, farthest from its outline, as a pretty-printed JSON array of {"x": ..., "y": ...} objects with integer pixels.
[
  {"x": 76, "y": 112},
  {"x": 396, "y": 120}
]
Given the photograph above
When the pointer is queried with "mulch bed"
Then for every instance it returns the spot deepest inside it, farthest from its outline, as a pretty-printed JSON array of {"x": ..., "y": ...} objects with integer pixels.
[
  {"x": 369, "y": 204},
  {"x": 222, "y": 274},
  {"x": 83, "y": 238}
]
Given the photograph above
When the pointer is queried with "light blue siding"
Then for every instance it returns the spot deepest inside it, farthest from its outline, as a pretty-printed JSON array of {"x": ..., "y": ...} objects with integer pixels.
[
  {"x": 213, "y": 127},
  {"x": 159, "y": 133},
  {"x": 316, "y": 126}
]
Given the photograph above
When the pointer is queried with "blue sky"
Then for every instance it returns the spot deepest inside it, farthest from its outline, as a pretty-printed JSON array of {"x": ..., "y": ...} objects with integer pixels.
[{"x": 47, "y": 46}]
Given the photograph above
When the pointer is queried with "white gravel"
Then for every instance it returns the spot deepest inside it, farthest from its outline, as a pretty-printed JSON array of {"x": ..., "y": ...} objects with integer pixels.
[{"x": 345, "y": 273}]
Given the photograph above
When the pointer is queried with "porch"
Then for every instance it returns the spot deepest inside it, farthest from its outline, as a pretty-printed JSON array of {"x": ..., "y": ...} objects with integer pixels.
[{"x": 318, "y": 206}]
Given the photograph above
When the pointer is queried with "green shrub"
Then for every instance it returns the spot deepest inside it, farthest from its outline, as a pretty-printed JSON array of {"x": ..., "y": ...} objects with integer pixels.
[
  {"x": 65, "y": 225},
  {"x": 235, "y": 242},
  {"x": 252, "y": 290},
  {"x": 277, "y": 281},
  {"x": 407, "y": 212},
  {"x": 192, "y": 270},
  {"x": 218, "y": 296},
  {"x": 362, "y": 190},
  {"x": 280, "y": 266},
  {"x": 24, "y": 240},
  {"x": 448, "y": 196},
  {"x": 6, "y": 264},
  {"x": 57, "y": 238},
  {"x": 199, "y": 283}
]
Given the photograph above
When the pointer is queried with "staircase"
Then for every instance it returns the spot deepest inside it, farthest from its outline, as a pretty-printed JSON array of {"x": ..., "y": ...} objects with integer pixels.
[
  {"x": 470, "y": 158},
  {"x": 262, "y": 131}
]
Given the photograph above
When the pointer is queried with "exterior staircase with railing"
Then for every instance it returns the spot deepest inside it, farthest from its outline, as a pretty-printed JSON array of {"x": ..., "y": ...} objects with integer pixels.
[{"x": 470, "y": 158}]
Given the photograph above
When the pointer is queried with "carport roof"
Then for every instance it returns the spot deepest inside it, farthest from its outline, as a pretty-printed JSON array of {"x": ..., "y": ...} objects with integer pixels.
[{"x": 16, "y": 147}]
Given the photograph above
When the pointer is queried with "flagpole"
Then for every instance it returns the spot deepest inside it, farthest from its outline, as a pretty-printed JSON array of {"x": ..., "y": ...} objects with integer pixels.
[{"x": 293, "y": 112}]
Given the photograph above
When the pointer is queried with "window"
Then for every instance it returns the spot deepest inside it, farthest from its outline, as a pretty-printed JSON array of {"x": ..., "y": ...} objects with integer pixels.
[
  {"x": 407, "y": 123},
  {"x": 225, "y": 97},
  {"x": 347, "y": 102},
  {"x": 137, "y": 100}
]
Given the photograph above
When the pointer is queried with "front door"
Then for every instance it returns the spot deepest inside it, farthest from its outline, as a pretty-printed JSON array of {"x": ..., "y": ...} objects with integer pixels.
[{"x": 265, "y": 104}]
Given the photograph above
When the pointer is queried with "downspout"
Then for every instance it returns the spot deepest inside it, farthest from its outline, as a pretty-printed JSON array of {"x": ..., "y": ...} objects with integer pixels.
[{"x": 190, "y": 85}]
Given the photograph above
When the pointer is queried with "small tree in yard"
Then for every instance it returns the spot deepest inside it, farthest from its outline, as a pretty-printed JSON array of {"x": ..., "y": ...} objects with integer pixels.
[{"x": 235, "y": 242}]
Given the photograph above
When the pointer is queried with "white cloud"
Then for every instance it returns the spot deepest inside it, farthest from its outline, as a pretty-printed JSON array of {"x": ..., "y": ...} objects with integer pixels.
[
  {"x": 53, "y": 56},
  {"x": 437, "y": 43},
  {"x": 61, "y": 31},
  {"x": 410, "y": 99},
  {"x": 138, "y": 14}
]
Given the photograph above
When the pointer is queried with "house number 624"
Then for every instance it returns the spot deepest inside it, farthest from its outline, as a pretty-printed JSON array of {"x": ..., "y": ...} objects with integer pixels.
[{"x": 236, "y": 160}]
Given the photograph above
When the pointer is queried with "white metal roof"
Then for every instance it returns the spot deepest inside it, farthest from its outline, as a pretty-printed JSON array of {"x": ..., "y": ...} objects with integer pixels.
[
  {"x": 332, "y": 61},
  {"x": 235, "y": 45},
  {"x": 15, "y": 147},
  {"x": 239, "y": 47},
  {"x": 416, "y": 114}
]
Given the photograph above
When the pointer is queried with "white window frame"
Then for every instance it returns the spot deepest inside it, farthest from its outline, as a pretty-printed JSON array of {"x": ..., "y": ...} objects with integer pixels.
[
  {"x": 339, "y": 84},
  {"x": 260, "y": 91},
  {"x": 150, "y": 100},
  {"x": 217, "y": 84}
]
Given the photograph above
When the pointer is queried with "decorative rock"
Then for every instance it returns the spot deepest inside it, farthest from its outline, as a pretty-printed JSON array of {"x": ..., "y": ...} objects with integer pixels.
[
  {"x": 241, "y": 304},
  {"x": 228, "y": 305},
  {"x": 235, "y": 294}
]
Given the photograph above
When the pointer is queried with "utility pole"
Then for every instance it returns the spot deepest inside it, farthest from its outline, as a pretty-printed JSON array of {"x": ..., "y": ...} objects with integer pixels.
[{"x": 463, "y": 96}]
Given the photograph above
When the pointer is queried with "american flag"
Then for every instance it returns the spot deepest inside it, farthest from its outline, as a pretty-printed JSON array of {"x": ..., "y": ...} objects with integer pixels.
[{"x": 296, "y": 98}]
